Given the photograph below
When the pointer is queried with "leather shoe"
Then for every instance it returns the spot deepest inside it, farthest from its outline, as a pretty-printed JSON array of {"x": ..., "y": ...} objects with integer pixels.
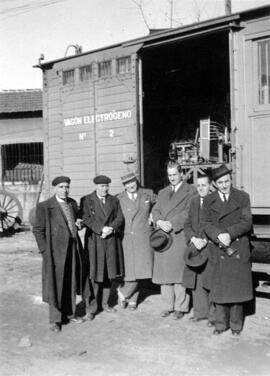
[
  {"x": 132, "y": 306},
  {"x": 236, "y": 332},
  {"x": 165, "y": 313},
  {"x": 178, "y": 315},
  {"x": 216, "y": 332},
  {"x": 196, "y": 319},
  {"x": 55, "y": 327},
  {"x": 109, "y": 309},
  {"x": 77, "y": 320},
  {"x": 88, "y": 317}
]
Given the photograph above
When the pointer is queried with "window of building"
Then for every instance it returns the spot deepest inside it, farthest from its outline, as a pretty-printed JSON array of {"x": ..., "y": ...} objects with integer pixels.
[
  {"x": 68, "y": 77},
  {"x": 123, "y": 65},
  {"x": 105, "y": 68},
  {"x": 264, "y": 71},
  {"x": 22, "y": 162},
  {"x": 86, "y": 73}
]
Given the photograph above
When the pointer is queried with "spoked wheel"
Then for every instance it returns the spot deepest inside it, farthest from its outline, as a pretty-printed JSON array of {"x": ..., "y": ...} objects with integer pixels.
[{"x": 10, "y": 210}]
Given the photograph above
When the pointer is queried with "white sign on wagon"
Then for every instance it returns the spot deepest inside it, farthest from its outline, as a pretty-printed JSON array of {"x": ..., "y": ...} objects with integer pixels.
[{"x": 98, "y": 118}]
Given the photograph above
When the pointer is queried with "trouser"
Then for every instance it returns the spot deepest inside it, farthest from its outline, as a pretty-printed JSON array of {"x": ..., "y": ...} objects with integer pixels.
[
  {"x": 101, "y": 293},
  {"x": 130, "y": 290},
  {"x": 201, "y": 300},
  {"x": 229, "y": 316},
  {"x": 175, "y": 297},
  {"x": 68, "y": 297}
]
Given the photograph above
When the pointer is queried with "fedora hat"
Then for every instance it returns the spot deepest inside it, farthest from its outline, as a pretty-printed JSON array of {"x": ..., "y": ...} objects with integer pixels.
[
  {"x": 220, "y": 171},
  {"x": 195, "y": 258},
  {"x": 160, "y": 240},
  {"x": 128, "y": 177}
]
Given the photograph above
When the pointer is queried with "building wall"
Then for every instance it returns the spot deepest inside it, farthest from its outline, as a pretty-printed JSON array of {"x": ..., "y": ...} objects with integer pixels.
[{"x": 14, "y": 131}]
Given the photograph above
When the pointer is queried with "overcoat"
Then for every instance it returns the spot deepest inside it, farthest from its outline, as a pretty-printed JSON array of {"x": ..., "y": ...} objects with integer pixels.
[
  {"x": 103, "y": 252},
  {"x": 53, "y": 238},
  {"x": 169, "y": 265},
  {"x": 230, "y": 276},
  {"x": 138, "y": 254},
  {"x": 193, "y": 227}
]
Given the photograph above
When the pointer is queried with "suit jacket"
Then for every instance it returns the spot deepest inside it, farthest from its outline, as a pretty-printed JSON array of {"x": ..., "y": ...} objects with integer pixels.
[
  {"x": 53, "y": 238},
  {"x": 169, "y": 265},
  {"x": 103, "y": 253},
  {"x": 193, "y": 227},
  {"x": 138, "y": 254},
  {"x": 231, "y": 279}
]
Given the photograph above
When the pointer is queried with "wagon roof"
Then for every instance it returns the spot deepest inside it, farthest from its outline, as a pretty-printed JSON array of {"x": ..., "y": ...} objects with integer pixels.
[
  {"x": 169, "y": 34},
  {"x": 20, "y": 100}
]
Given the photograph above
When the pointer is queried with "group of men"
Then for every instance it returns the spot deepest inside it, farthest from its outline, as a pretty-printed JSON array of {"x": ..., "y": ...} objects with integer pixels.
[{"x": 185, "y": 240}]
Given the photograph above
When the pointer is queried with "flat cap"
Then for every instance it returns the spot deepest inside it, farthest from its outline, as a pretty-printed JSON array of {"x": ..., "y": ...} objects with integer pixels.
[
  {"x": 102, "y": 179},
  {"x": 128, "y": 177},
  {"x": 60, "y": 179}
]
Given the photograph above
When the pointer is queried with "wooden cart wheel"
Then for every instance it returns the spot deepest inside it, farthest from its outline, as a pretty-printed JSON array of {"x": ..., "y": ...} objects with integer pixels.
[{"x": 10, "y": 210}]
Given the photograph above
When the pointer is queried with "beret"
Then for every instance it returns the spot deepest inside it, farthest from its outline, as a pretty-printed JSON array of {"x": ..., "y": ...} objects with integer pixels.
[
  {"x": 101, "y": 179},
  {"x": 128, "y": 177},
  {"x": 61, "y": 179}
]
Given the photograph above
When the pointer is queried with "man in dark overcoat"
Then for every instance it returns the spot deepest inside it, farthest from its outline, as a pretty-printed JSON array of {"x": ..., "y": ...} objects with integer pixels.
[
  {"x": 195, "y": 237},
  {"x": 227, "y": 222},
  {"x": 55, "y": 230},
  {"x": 103, "y": 218},
  {"x": 169, "y": 214},
  {"x": 136, "y": 204}
]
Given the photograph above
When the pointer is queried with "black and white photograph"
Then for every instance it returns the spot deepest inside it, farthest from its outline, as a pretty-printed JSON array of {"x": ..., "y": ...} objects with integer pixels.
[{"x": 134, "y": 188}]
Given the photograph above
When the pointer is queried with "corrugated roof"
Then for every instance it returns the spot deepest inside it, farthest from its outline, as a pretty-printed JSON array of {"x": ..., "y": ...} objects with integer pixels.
[{"x": 20, "y": 100}]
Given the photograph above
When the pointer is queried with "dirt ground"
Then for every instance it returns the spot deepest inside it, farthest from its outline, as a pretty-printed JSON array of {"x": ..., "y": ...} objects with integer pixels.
[{"x": 115, "y": 344}]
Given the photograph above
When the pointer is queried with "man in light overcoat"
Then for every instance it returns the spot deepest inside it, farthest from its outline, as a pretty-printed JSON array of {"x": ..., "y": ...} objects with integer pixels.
[
  {"x": 227, "y": 222},
  {"x": 169, "y": 214},
  {"x": 59, "y": 244},
  {"x": 136, "y": 204}
]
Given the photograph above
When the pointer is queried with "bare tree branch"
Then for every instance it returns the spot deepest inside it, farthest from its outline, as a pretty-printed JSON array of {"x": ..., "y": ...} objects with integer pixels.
[{"x": 139, "y": 4}]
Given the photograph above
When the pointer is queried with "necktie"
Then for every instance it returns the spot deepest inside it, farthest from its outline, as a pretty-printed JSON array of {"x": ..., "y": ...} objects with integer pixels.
[
  {"x": 102, "y": 199},
  {"x": 201, "y": 202},
  {"x": 172, "y": 192},
  {"x": 133, "y": 198},
  {"x": 224, "y": 198},
  {"x": 69, "y": 217}
]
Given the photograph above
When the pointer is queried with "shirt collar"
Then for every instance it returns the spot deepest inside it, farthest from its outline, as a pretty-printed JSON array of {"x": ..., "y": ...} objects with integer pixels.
[
  {"x": 176, "y": 187},
  {"x": 222, "y": 197},
  {"x": 60, "y": 199}
]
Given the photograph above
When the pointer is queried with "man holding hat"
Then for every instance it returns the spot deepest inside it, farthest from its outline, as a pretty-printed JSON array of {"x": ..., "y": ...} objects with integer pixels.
[
  {"x": 227, "y": 222},
  {"x": 103, "y": 218},
  {"x": 136, "y": 204},
  {"x": 169, "y": 214},
  {"x": 56, "y": 235},
  {"x": 196, "y": 255}
]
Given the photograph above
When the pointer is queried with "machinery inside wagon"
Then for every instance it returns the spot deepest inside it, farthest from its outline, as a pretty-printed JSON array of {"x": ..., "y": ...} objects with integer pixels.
[{"x": 186, "y": 105}]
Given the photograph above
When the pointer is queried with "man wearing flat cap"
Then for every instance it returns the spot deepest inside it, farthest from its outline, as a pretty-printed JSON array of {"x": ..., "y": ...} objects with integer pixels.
[
  {"x": 103, "y": 218},
  {"x": 55, "y": 230},
  {"x": 169, "y": 214},
  {"x": 227, "y": 222},
  {"x": 136, "y": 204},
  {"x": 196, "y": 255}
]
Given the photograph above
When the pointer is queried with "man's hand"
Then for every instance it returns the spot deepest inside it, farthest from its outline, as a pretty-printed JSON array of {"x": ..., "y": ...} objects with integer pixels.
[
  {"x": 198, "y": 242},
  {"x": 78, "y": 223},
  {"x": 106, "y": 231},
  {"x": 225, "y": 238},
  {"x": 164, "y": 225}
]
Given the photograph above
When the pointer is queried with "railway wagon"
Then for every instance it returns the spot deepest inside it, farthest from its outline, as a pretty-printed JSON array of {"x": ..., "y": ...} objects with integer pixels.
[{"x": 200, "y": 93}]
